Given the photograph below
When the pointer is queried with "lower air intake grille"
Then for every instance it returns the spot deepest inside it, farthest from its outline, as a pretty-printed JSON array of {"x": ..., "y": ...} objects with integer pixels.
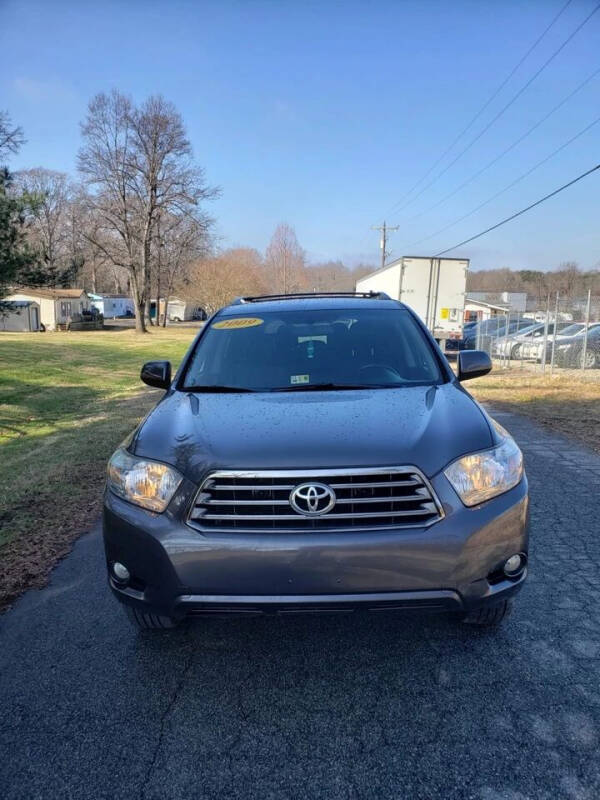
[{"x": 360, "y": 499}]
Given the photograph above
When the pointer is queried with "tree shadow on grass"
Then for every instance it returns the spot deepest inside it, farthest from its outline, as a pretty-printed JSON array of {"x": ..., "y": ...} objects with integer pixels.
[
  {"x": 25, "y": 404},
  {"x": 52, "y": 494}
]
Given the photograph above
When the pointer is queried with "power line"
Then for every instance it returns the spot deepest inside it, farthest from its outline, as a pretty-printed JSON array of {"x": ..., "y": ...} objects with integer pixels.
[
  {"x": 508, "y": 149},
  {"x": 510, "y": 185},
  {"x": 489, "y": 100},
  {"x": 504, "y": 108},
  {"x": 519, "y": 213}
]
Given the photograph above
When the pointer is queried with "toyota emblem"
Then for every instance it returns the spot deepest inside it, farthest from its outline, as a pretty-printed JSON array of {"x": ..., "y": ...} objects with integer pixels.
[{"x": 312, "y": 499}]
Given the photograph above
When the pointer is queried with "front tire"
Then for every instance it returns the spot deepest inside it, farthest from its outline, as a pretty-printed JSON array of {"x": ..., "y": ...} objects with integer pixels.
[
  {"x": 489, "y": 617},
  {"x": 589, "y": 362},
  {"x": 146, "y": 621}
]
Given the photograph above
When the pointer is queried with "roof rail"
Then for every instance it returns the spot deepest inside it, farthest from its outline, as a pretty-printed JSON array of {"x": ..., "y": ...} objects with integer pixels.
[{"x": 297, "y": 295}]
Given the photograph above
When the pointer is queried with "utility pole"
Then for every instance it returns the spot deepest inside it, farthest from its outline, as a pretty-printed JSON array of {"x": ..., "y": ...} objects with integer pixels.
[{"x": 385, "y": 229}]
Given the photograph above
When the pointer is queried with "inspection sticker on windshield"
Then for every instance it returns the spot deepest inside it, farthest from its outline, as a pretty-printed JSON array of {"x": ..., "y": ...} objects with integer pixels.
[
  {"x": 237, "y": 323},
  {"x": 299, "y": 378}
]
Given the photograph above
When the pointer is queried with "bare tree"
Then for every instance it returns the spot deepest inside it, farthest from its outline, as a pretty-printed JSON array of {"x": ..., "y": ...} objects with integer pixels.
[
  {"x": 213, "y": 282},
  {"x": 285, "y": 260},
  {"x": 568, "y": 280},
  {"x": 136, "y": 164},
  {"x": 180, "y": 241},
  {"x": 334, "y": 276},
  {"x": 50, "y": 231},
  {"x": 85, "y": 227},
  {"x": 104, "y": 163},
  {"x": 11, "y": 136}
]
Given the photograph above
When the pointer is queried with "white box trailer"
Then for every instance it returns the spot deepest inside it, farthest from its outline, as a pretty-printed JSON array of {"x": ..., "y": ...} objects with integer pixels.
[{"x": 433, "y": 287}]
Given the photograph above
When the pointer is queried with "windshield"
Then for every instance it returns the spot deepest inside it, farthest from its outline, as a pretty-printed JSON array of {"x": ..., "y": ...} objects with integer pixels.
[
  {"x": 492, "y": 325},
  {"x": 571, "y": 330},
  {"x": 593, "y": 332},
  {"x": 529, "y": 330},
  {"x": 297, "y": 350}
]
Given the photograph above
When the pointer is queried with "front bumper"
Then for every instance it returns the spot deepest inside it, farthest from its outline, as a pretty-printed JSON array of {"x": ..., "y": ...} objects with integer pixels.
[
  {"x": 453, "y": 565},
  {"x": 442, "y": 600}
]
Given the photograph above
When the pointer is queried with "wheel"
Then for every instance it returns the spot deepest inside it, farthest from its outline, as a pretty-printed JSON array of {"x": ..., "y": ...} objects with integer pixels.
[
  {"x": 515, "y": 352},
  {"x": 147, "y": 621},
  {"x": 176, "y": 319},
  {"x": 489, "y": 617},
  {"x": 590, "y": 360}
]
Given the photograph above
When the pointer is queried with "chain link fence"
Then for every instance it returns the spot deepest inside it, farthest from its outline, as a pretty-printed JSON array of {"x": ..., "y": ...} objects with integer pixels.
[{"x": 565, "y": 334}]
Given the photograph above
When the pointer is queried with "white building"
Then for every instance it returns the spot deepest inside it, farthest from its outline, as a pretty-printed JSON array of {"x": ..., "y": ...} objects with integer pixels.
[
  {"x": 57, "y": 306},
  {"x": 478, "y": 310},
  {"x": 514, "y": 301},
  {"x": 112, "y": 305},
  {"x": 178, "y": 310}
]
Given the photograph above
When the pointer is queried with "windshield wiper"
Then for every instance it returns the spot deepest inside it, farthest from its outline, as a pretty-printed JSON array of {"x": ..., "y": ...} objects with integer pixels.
[
  {"x": 216, "y": 389},
  {"x": 327, "y": 387},
  {"x": 301, "y": 387}
]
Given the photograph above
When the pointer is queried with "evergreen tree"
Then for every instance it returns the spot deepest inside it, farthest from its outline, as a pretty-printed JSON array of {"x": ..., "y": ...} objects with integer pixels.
[{"x": 18, "y": 263}]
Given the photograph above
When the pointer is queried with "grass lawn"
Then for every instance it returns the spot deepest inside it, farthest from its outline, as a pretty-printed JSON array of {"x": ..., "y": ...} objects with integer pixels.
[
  {"x": 66, "y": 401},
  {"x": 567, "y": 402}
]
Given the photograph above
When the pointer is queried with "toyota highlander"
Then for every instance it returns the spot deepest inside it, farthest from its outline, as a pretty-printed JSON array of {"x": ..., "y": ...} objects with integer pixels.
[{"x": 316, "y": 453}]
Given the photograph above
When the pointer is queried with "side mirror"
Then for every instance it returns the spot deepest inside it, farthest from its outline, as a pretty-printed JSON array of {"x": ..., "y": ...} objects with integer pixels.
[
  {"x": 157, "y": 373},
  {"x": 472, "y": 364}
]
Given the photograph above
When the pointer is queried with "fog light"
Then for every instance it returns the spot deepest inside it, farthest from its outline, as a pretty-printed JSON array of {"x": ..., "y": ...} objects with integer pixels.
[
  {"x": 514, "y": 565},
  {"x": 120, "y": 572}
]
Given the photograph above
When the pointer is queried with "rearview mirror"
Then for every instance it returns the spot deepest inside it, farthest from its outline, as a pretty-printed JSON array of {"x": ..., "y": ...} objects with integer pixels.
[
  {"x": 157, "y": 373},
  {"x": 473, "y": 364}
]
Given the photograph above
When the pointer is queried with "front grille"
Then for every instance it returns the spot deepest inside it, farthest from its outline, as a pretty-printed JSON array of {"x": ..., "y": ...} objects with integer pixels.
[{"x": 365, "y": 499}]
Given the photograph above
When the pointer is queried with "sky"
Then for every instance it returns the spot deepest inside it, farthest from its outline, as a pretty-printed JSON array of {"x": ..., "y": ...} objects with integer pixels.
[{"x": 325, "y": 114}]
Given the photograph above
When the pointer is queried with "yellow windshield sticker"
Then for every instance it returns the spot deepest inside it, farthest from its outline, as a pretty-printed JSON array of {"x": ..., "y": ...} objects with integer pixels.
[
  {"x": 237, "y": 322},
  {"x": 299, "y": 378}
]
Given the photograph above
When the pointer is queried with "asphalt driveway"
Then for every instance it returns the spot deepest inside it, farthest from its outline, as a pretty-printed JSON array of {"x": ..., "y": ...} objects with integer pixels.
[{"x": 329, "y": 707}]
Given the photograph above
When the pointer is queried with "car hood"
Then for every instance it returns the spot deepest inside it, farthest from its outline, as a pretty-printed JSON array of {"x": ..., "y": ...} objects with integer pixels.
[{"x": 422, "y": 426}]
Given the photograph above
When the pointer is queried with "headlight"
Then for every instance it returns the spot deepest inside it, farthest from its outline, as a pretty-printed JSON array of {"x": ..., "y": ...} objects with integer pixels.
[
  {"x": 149, "y": 484},
  {"x": 481, "y": 476}
]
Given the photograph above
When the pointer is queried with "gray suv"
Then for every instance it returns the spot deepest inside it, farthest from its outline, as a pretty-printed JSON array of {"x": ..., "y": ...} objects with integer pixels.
[{"x": 316, "y": 453}]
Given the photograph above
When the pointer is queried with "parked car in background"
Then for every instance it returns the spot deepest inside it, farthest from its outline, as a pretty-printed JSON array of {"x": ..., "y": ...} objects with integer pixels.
[
  {"x": 533, "y": 349},
  {"x": 453, "y": 346},
  {"x": 483, "y": 335},
  {"x": 573, "y": 351},
  {"x": 510, "y": 346},
  {"x": 471, "y": 332},
  {"x": 316, "y": 453}
]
